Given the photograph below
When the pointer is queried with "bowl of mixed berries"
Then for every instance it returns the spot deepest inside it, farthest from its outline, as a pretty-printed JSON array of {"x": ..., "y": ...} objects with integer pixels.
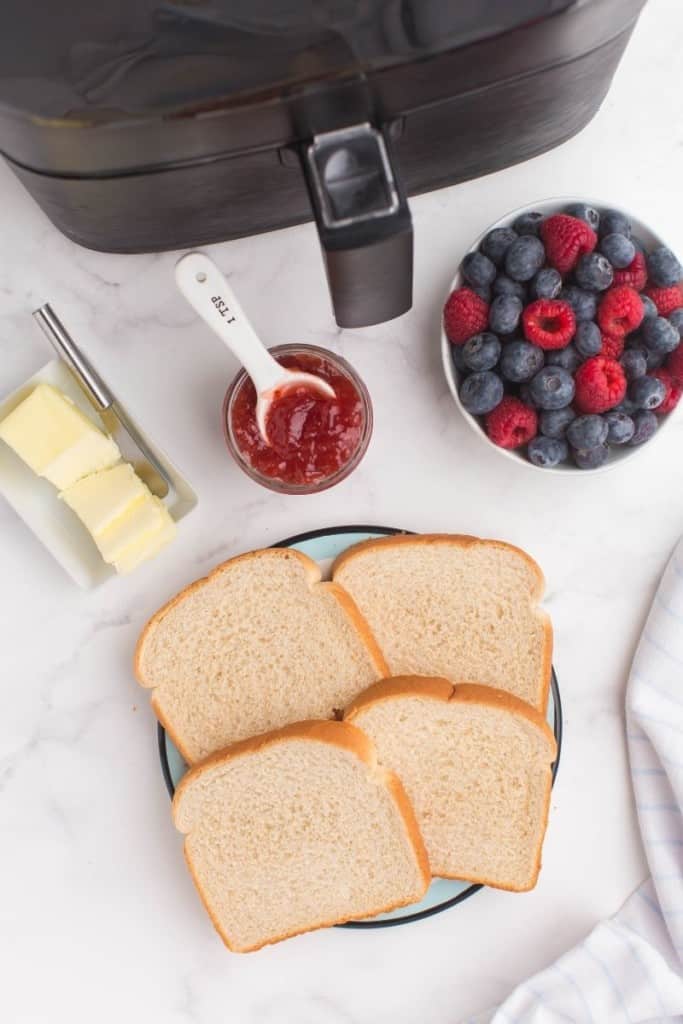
[{"x": 561, "y": 335}]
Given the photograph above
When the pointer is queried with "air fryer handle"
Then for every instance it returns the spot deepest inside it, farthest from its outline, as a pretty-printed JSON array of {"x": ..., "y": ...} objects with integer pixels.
[{"x": 364, "y": 223}]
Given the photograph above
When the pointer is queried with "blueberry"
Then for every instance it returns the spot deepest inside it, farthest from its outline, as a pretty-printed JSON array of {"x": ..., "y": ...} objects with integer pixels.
[
  {"x": 481, "y": 392},
  {"x": 626, "y": 406},
  {"x": 587, "y": 432},
  {"x": 458, "y": 359},
  {"x": 528, "y": 223},
  {"x": 482, "y": 290},
  {"x": 646, "y": 424},
  {"x": 478, "y": 270},
  {"x": 481, "y": 352},
  {"x": 591, "y": 458},
  {"x": 504, "y": 314},
  {"x": 568, "y": 358},
  {"x": 520, "y": 361},
  {"x": 552, "y": 388},
  {"x": 634, "y": 363},
  {"x": 546, "y": 451},
  {"x": 660, "y": 335},
  {"x": 614, "y": 223},
  {"x": 620, "y": 427},
  {"x": 649, "y": 308},
  {"x": 526, "y": 396},
  {"x": 585, "y": 213},
  {"x": 663, "y": 268},
  {"x": 547, "y": 284},
  {"x": 647, "y": 392},
  {"x": 618, "y": 249},
  {"x": 594, "y": 272},
  {"x": 554, "y": 422},
  {"x": 524, "y": 258},
  {"x": 497, "y": 243},
  {"x": 636, "y": 340},
  {"x": 654, "y": 359},
  {"x": 588, "y": 340},
  {"x": 584, "y": 304},
  {"x": 676, "y": 318},
  {"x": 504, "y": 285}
]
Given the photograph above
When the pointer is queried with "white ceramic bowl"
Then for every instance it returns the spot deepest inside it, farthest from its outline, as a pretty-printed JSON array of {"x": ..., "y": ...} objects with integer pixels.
[{"x": 618, "y": 454}]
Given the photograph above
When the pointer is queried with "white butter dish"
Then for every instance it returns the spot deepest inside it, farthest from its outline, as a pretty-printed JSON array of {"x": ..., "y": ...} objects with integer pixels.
[{"x": 38, "y": 503}]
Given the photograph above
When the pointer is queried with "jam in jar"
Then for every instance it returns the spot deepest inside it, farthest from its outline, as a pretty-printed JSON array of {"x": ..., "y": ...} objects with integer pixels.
[{"x": 313, "y": 440}]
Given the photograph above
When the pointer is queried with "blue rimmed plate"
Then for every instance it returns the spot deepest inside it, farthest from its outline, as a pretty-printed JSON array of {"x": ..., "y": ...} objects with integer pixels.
[{"x": 324, "y": 546}]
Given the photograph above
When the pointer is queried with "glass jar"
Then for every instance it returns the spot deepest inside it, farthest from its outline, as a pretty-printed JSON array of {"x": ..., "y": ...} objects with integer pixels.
[{"x": 342, "y": 450}]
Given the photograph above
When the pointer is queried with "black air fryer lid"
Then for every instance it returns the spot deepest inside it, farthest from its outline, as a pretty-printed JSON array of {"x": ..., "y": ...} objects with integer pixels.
[
  {"x": 79, "y": 65},
  {"x": 94, "y": 91}
]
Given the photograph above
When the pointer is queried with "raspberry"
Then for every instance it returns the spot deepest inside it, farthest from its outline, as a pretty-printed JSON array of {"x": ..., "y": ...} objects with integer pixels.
[
  {"x": 674, "y": 365},
  {"x": 612, "y": 347},
  {"x": 620, "y": 311},
  {"x": 635, "y": 274},
  {"x": 666, "y": 299},
  {"x": 600, "y": 385},
  {"x": 673, "y": 391},
  {"x": 512, "y": 423},
  {"x": 464, "y": 315},
  {"x": 549, "y": 323},
  {"x": 566, "y": 238}
]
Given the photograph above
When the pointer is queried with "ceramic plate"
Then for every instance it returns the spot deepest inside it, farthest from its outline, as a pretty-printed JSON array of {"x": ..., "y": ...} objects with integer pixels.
[{"x": 324, "y": 546}]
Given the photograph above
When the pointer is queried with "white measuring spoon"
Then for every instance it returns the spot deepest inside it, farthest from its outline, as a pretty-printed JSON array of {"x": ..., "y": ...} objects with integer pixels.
[{"x": 210, "y": 295}]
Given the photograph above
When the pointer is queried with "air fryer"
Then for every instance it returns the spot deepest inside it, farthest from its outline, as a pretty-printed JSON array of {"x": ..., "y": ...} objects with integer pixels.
[{"x": 144, "y": 126}]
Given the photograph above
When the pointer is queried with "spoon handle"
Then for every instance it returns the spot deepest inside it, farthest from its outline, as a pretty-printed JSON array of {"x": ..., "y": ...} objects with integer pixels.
[{"x": 210, "y": 295}]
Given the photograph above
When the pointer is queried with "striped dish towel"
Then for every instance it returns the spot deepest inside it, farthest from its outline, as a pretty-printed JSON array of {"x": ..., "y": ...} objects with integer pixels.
[{"x": 630, "y": 968}]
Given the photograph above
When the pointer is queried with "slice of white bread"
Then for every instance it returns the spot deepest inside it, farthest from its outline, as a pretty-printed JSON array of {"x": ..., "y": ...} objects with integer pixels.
[
  {"x": 295, "y": 830},
  {"x": 476, "y": 765},
  {"x": 259, "y": 643},
  {"x": 454, "y": 606}
]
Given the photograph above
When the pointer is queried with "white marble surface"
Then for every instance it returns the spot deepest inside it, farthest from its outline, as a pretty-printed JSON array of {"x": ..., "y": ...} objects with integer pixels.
[{"x": 98, "y": 919}]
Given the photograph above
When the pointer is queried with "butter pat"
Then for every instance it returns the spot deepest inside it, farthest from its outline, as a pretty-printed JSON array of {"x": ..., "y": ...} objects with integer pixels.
[
  {"x": 55, "y": 439},
  {"x": 139, "y": 524},
  {"x": 147, "y": 546},
  {"x": 127, "y": 522},
  {"x": 101, "y": 498}
]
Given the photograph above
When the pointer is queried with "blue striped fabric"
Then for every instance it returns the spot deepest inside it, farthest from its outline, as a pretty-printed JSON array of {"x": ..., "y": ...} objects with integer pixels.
[{"x": 630, "y": 968}]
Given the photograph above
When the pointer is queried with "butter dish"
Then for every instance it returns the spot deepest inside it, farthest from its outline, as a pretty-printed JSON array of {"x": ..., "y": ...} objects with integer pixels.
[{"x": 38, "y": 503}]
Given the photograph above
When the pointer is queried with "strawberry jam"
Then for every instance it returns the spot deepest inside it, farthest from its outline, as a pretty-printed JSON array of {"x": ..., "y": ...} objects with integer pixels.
[{"x": 311, "y": 437}]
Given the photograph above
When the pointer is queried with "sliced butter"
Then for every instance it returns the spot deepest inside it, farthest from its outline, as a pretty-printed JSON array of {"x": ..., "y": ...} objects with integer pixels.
[
  {"x": 101, "y": 498},
  {"x": 127, "y": 522},
  {"x": 136, "y": 535},
  {"x": 55, "y": 439},
  {"x": 146, "y": 547}
]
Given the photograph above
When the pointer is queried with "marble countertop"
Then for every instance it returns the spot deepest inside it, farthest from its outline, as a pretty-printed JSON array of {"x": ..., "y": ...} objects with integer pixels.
[{"x": 98, "y": 918}]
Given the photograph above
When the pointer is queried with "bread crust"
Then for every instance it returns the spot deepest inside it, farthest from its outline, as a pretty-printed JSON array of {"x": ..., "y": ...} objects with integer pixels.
[
  {"x": 437, "y": 688},
  {"x": 312, "y": 572},
  {"x": 314, "y": 578},
  {"x": 354, "y": 613},
  {"x": 340, "y": 734},
  {"x": 467, "y": 541}
]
